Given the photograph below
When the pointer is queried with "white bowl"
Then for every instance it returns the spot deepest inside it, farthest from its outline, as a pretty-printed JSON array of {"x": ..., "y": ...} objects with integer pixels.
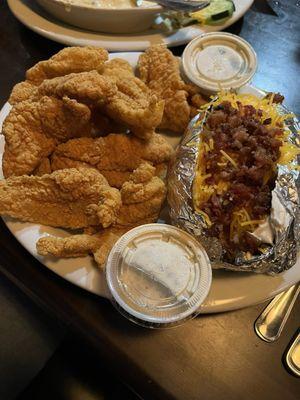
[{"x": 111, "y": 20}]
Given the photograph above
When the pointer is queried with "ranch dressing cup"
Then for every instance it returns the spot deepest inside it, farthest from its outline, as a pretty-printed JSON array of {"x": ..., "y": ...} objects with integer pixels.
[
  {"x": 219, "y": 60},
  {"x": 158, "y": 275}
]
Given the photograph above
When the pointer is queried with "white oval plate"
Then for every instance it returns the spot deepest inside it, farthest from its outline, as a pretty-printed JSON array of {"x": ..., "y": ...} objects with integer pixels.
[
  {"x": 35, "y": 18},
  {"x": 229, "y": 291}
]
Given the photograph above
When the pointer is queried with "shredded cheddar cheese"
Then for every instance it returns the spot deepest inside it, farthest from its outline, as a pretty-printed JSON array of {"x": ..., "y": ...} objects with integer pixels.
[
  {"x": 241, "y": 221},
  {"x": 252, "y": 222},
  {"x": 229, "y": 158},
  {"x": 205, "y": 217},
  {"x": 221, "y": 187},
  {"x": 288, "y": 152},
  {"x": 266, "y": 105}
]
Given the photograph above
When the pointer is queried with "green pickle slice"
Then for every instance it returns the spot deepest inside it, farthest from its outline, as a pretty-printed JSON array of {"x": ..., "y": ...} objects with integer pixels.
[{"x": 215, "y": 13}]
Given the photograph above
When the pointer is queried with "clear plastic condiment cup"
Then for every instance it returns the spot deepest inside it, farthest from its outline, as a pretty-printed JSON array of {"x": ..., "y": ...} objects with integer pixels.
[
  {"x": 158, "y": 275},
  {"x": 219, "y": 61}
]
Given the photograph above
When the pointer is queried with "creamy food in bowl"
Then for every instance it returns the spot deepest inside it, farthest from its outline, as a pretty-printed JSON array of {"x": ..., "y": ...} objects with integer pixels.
[
  {"x": 111, "y": 16},
  {"x": 115, "y": 4}
]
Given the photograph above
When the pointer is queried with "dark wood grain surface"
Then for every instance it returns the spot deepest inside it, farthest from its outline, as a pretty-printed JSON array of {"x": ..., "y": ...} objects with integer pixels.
[{"x": 212, "y": 356}]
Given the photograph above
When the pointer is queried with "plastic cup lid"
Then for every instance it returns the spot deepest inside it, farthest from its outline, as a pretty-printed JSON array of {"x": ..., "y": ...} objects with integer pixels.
[
  {"x": 158, "y": 273},
  {"x": 219, "y": 60}
]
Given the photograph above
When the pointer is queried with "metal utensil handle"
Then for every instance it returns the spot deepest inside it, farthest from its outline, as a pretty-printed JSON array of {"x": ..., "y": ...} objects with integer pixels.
[
  {"x": 184, "y": 5},
  {"x": 293, "y": 356},
  {"x": 270, "y": 323}
]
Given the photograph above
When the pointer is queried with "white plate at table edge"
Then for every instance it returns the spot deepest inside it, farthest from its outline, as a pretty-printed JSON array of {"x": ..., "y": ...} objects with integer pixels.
[
  {"x": 36, "y": 19},
  {"x": 230, "y": 290}
]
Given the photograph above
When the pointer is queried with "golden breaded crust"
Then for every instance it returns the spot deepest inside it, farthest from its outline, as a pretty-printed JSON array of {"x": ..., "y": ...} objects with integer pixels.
[
  {"x": 22, "y": 91},
  {"x": 66, "y": 61},
  {"x": 115, "y": 152},
  {"x": 33, "y": 128},
  {"x": 69, "y": 198},
  {"x": 160, "y": 70}
]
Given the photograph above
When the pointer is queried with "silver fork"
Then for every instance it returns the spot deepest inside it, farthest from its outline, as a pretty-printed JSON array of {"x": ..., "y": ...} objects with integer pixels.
[
  {"x": 270, "y": 323},
  {"x": 180, "y": 5}
]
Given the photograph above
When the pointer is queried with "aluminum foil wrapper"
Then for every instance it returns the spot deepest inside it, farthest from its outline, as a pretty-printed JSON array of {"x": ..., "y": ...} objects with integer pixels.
[{"x": 280, "y": 234}]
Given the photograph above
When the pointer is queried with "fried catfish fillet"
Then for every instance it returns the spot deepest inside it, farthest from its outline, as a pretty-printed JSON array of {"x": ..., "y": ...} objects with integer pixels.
[
  {"x": 142, "y": 198},
  {"x": 115, "y": 155},
  {"x": 98, "y": 245},
  {"x": 34, "y": 128},
  {"x": 124, "y": 98},
  {"x": 160, "y": 71},
  {"x": 70, "y": 198},
  {"x": 23, "y": 91},
  {"x": 87, "y": 87},
  {"x": 66, "y": 61},
  {"x": 134, "y": 102}
]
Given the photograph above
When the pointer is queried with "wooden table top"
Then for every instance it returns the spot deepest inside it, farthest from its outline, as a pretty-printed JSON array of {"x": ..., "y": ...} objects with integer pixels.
[{"x": 212, "y": 356}]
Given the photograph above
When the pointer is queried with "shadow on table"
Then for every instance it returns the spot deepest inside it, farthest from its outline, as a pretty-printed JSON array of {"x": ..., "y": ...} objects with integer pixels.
[
  {"x": 38, "y": 47},
  {"x": 28, "y": 338},
  {"x": 75, "y": 373},
  {"x": 263, "y": 7}
]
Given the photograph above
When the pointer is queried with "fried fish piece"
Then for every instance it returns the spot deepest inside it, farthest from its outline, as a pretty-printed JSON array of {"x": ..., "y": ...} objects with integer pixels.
[
  {"x": 160, "y": 71},
  {"x": 120, "y": 152},
  {"x": 98, "y": 245},
  {"x": 64, "y": 119},
  {"x": 33, "y": 128},
  {"x": 66, "y": 61},
  {"x": 134, "y": 103},
  {"x": 69, "y": 60},
  {"x": 23, "y": 91},
  {"x": 104, "y": 125},
  {"x": 25, "y": 142},
  {"x": 125, "y": 98},
  {"x": 87, "y": 87},
  {"x": 115, "y": 155},
  {"x": 142, "y": 198},
  {"x": 43, "y": 168},
  {"x": 117, "y": 68},
  {"x": 69, "y": 198}
]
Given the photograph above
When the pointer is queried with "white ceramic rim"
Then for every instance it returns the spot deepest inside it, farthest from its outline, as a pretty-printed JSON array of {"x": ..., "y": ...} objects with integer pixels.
[
  {"x": 214, "y": 88},
  {"x": 205, "y": 270},
  {"x": 33, "y": 17}
]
